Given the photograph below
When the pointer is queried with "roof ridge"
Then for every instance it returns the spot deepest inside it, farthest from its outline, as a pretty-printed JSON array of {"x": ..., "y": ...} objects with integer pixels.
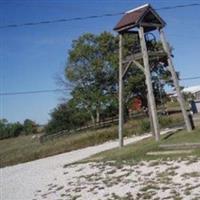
[{"x": 140, "y": 7}]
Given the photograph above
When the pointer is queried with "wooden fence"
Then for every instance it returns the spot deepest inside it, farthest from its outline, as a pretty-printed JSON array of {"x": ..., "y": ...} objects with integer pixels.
[{"x": 102, "y": 124}]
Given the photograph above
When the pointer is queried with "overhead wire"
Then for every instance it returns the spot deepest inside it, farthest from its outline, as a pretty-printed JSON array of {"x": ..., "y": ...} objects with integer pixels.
[
  {"x": 65, "y": 89},
  {"x": 33, "y": 92},
  {"x": 90, "y": 17},
  {"x": 190, "y": 78}
]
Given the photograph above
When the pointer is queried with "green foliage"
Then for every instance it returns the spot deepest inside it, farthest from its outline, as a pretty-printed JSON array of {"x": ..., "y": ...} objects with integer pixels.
[
  {"x": 92, "y": 69},
  {"x": 66, "y": 117},
  {"x": 188, "y": 96},
  {"x": 171, "y": 121},
  {"x": 30, "y": 127},
  {"x": 165, "y": 121},
  {"x": 145, "y": 125},
  {"x": 8, "y": 130}
]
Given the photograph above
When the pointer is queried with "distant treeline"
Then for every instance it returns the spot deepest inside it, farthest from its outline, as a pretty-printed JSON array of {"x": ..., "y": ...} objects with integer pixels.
[{"x": 8, "y": 130}]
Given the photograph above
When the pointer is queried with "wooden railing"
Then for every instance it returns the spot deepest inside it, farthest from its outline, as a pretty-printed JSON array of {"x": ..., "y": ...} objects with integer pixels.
[{"x": 102, "y": 124}]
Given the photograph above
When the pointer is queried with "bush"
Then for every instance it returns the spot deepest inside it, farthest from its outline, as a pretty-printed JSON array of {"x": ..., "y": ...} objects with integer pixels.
[
  {"x": 144, "y": 126},
  {"x": 165, "y": 121},
  {"x": 66, "y": 117},
  {"x": 8, "y": 130},
  {"x": 30, "y": 127}
]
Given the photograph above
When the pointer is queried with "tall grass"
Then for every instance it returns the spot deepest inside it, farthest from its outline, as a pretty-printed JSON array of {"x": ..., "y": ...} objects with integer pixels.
[{"x": 25, "y": 148}]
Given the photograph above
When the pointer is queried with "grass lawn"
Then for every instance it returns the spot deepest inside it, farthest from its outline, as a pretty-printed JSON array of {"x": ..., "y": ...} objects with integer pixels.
[
  {"x": 138, "y": 151},
  {"x": 25, "y": 148}
]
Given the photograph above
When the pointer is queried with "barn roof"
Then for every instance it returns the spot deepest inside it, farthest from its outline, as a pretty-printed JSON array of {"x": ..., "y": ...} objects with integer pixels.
[
  {"x": 192, "y": 89},
  {"x": 144, "y": 15}
]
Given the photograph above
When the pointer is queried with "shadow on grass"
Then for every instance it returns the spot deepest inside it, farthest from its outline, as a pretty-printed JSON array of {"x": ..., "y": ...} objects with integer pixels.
[{"x": 170, "y": 134}]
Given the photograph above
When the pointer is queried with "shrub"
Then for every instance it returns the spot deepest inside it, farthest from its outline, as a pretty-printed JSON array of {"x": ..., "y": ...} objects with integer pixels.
[
  {"x": 66, "y": 117},
  {"x": 30, "y": 127},
  {"x": 8, "y": 130},
  {"x": 144, "y": 125},
  {"x": 165, "y": 121}
]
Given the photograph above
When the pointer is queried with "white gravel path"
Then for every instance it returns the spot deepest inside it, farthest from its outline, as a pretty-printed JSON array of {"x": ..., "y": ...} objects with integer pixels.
[
  {"x": 20, "y": 182},
  {"x": 156, "y": 180}
]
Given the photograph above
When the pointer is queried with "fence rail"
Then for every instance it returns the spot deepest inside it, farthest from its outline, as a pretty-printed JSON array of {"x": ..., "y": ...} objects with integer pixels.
[{"x": 102, "y": 124}]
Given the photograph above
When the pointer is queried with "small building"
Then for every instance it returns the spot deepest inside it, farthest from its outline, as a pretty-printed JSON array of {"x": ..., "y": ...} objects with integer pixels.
[
  {"x": 194, "y": 90},
  {"x": 195, "y": 102},
  {"x": 195, "y": 106}
]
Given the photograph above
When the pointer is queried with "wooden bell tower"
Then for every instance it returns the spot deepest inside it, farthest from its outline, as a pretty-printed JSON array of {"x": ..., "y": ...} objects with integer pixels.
[{"x": 141, "y": 21}]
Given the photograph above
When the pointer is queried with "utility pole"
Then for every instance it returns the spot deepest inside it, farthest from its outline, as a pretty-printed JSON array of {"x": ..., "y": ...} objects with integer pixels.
[
  {"x": 150, "y": 94},
  {"x": 175, "y": 80}
]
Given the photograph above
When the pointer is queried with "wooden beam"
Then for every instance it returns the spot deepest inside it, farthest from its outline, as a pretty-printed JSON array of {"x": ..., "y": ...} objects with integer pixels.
[
  {"x": 175, "y": 80},
  {"x": 138, "y": 56},
  {"x": 151, "y": 118},
  {"x": 126, "y": 28},
  {"x": 151, "y": 25},
  {"x": 121, "y": 105},
  {"x": 138, "y": 65},
  {"x": 131, "y": 32},
  {"x": 126, "y": 69},
  {"x": 149, "y": 84}
]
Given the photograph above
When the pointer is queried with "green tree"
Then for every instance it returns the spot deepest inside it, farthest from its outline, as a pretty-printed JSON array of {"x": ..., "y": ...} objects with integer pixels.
[
  {"x": 66, "y": 116},
  {"x": 3, "y": 132},
  {"x": 92, "y": 68},
  {"x": 10, "y": 129},
  {"x": 30, "y": 127},
  {"x": 14, "y": 129}
]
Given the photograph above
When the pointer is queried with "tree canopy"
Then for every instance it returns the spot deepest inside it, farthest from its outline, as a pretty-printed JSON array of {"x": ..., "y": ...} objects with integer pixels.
[{"x": 92, "y": 69}]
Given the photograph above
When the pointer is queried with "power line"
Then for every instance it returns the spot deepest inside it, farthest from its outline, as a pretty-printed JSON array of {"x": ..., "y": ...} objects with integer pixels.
[
  {"x": 90, "y": 17},
  {"x": 33, "y": 92},
  {"x": 190, "y": 78},
  {"x": 66, "y": 89},
  {"x": 178, "y": 6},
  {"x": 60, "y": 20}
]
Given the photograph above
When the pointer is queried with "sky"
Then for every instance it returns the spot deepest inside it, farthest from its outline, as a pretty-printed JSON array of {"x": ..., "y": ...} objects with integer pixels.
[{"x": 32, "y": 57}]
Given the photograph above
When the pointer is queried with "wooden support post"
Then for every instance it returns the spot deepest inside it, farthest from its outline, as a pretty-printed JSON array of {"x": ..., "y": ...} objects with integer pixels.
[
  {"x": 121, "y": 105},
  {"x": 150, "y": 117},
  {"x": 175, "y": 80},
  {"x": 151, "y": 98}
]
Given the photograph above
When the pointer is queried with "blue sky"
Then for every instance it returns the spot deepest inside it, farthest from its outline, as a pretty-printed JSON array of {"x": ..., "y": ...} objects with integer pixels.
[{"x": 31, "y": 57}]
